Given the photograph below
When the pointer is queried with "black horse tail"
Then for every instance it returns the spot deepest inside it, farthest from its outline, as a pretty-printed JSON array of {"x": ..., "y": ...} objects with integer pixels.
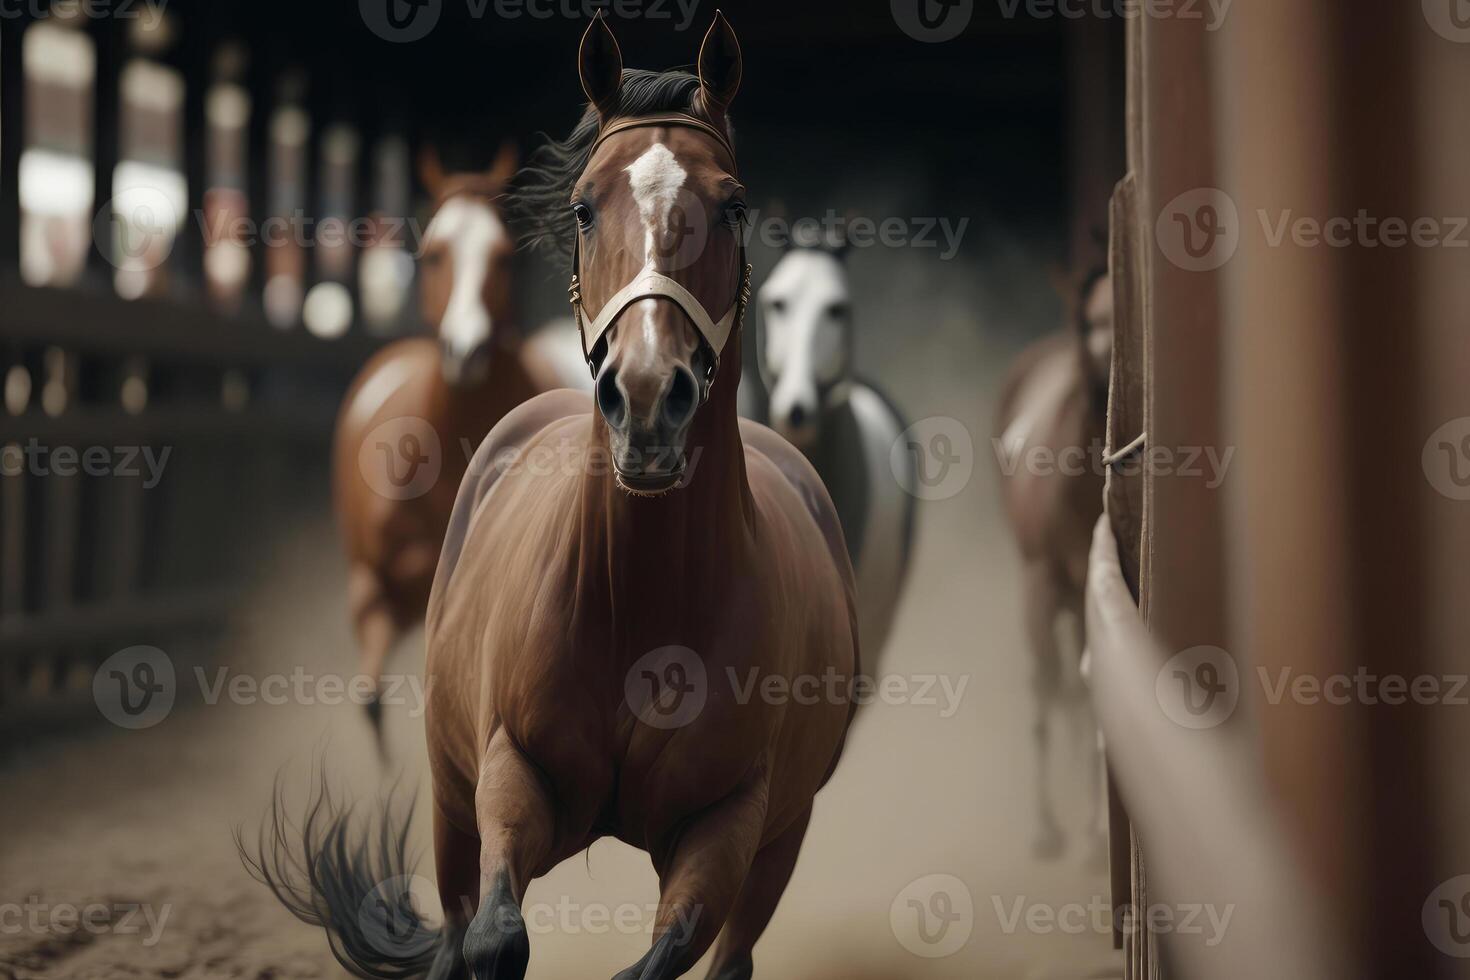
[{"x": 351, "y": 877}]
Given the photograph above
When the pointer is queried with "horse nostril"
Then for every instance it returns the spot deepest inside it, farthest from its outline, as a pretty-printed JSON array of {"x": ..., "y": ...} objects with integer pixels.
[
  {"x": 610, "y": 397},
  {"x": 796, "y": 416},
  {"x": 682, "y": 399}
]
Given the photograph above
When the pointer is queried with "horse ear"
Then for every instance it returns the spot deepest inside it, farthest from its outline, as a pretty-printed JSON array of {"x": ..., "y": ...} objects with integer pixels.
[
  {"x": 600, "y": 62},
  {"x": 507, "y": 161},
  {"x": 431, "y": 169},
  {"x": 720, "y": 66}
]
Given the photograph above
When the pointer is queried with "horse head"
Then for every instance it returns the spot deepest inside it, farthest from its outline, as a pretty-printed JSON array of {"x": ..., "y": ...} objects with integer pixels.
[
  {"x": 659, "y": 281},
  {"x": 806, "y": 336},
  {"x": 465, "y": 273}
]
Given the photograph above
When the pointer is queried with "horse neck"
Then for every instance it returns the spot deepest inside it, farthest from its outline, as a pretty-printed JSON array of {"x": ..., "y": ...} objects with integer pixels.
[
  {"x": 663, "y": 557},
  {"x": 1096, "y": 386}
]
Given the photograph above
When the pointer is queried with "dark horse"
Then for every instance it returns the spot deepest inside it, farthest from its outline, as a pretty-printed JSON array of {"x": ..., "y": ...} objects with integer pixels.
[{"x": 590, "y": 615}]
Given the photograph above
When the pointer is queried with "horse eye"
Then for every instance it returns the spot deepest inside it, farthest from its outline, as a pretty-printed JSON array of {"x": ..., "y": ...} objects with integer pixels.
[
  {"x": 583, "y": 214},
  {"x": 735, "y": 212},
  {"x": 839, "y": 311},
  {"x": 778, "y": 306}
]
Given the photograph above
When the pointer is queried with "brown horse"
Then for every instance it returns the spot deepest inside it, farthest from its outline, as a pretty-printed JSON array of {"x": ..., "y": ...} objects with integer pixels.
[
  {"x": 1048, "y": 440},
  {"x": 612, "y": 578},
  {"x": 421, "y": 406}
]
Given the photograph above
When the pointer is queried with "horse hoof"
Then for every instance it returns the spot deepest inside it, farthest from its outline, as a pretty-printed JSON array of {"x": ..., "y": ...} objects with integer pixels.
[
  {"x": 1048, "y": 844},
  {"x": 449, "y": 960},
  {"x": 496, "y": 946},
  {"x": 665, "y": 960}
]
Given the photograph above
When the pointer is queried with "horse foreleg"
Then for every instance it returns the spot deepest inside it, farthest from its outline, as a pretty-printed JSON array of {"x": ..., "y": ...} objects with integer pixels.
[
  {"x": 516, "y": 826},
  {"x": 700, "y": 878},
  {"x": 764, "y": 886},
  {"x": 1041, "y": 615},
  {"x": 1097, "y": 782},
  {"x": 456, "y": 867},
  {"x": 376, "y": 629}
]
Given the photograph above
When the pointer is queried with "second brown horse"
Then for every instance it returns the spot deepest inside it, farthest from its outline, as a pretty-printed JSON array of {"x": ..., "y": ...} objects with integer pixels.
[{"x": 421, "y": 406}]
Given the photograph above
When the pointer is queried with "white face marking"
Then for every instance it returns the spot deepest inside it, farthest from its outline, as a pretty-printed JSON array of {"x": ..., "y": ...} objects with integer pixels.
[
  {"x": 805, "y": 341},
  {"x": 472, "y": 229},
  {"x": 656, "y": 178}
]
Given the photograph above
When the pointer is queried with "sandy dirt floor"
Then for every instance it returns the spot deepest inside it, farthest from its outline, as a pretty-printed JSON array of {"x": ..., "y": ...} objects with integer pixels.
[{"x": 928, "y": 814}]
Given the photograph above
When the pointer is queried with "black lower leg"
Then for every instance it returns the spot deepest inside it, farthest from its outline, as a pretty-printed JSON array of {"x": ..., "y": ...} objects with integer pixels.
[
  {"x": 496, "y": 946},
  {"x": 669, "y": 956}
]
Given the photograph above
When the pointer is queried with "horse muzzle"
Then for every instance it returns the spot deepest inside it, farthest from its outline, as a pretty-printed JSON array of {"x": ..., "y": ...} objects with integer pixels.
[
  {"x": 465, "y": 367},
  {"x": 648, "y": 424}
]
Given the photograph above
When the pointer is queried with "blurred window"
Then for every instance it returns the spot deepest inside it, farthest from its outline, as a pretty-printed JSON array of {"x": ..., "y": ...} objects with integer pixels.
[
  {"x": 328, "y": 308},
  {"x": 150, "y": 197},
  {"x": 386, "y": 275},
  {"x": 284, "y": 232},
  {"x": 56, "y": 169},
  {"x": 227, "y": 234}
]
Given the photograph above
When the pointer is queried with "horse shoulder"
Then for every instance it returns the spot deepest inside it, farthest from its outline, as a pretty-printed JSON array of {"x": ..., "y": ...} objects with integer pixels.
[
  {"x": 397, "y": 382},
  {"x": 521, "y": 427},
  {"x": 1036, "y": 358}
]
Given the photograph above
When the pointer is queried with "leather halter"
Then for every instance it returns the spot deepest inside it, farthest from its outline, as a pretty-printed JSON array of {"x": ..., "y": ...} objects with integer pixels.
[{"x": 651, "y": 284}]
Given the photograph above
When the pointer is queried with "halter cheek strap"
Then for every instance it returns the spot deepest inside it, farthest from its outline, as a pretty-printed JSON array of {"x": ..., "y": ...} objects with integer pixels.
[{"x": 651, "y": 284}]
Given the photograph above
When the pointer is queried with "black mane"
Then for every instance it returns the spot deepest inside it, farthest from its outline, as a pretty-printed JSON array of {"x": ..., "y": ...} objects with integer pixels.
[{"x": 539, "y": 202}]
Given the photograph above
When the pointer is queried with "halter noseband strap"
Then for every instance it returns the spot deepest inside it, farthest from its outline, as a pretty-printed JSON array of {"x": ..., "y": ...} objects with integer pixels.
[{"x": 651, "y": 284}]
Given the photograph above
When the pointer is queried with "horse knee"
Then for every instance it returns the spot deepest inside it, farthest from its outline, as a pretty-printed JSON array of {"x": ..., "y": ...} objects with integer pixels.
[{"x": 496, "y": 944}]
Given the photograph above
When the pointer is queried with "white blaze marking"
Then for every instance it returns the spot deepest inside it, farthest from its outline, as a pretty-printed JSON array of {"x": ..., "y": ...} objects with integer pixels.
[
  {"x": 472, "y": 229},
  {"x": 803, "y": 345},
  {"x": 657, "y": 179}
]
